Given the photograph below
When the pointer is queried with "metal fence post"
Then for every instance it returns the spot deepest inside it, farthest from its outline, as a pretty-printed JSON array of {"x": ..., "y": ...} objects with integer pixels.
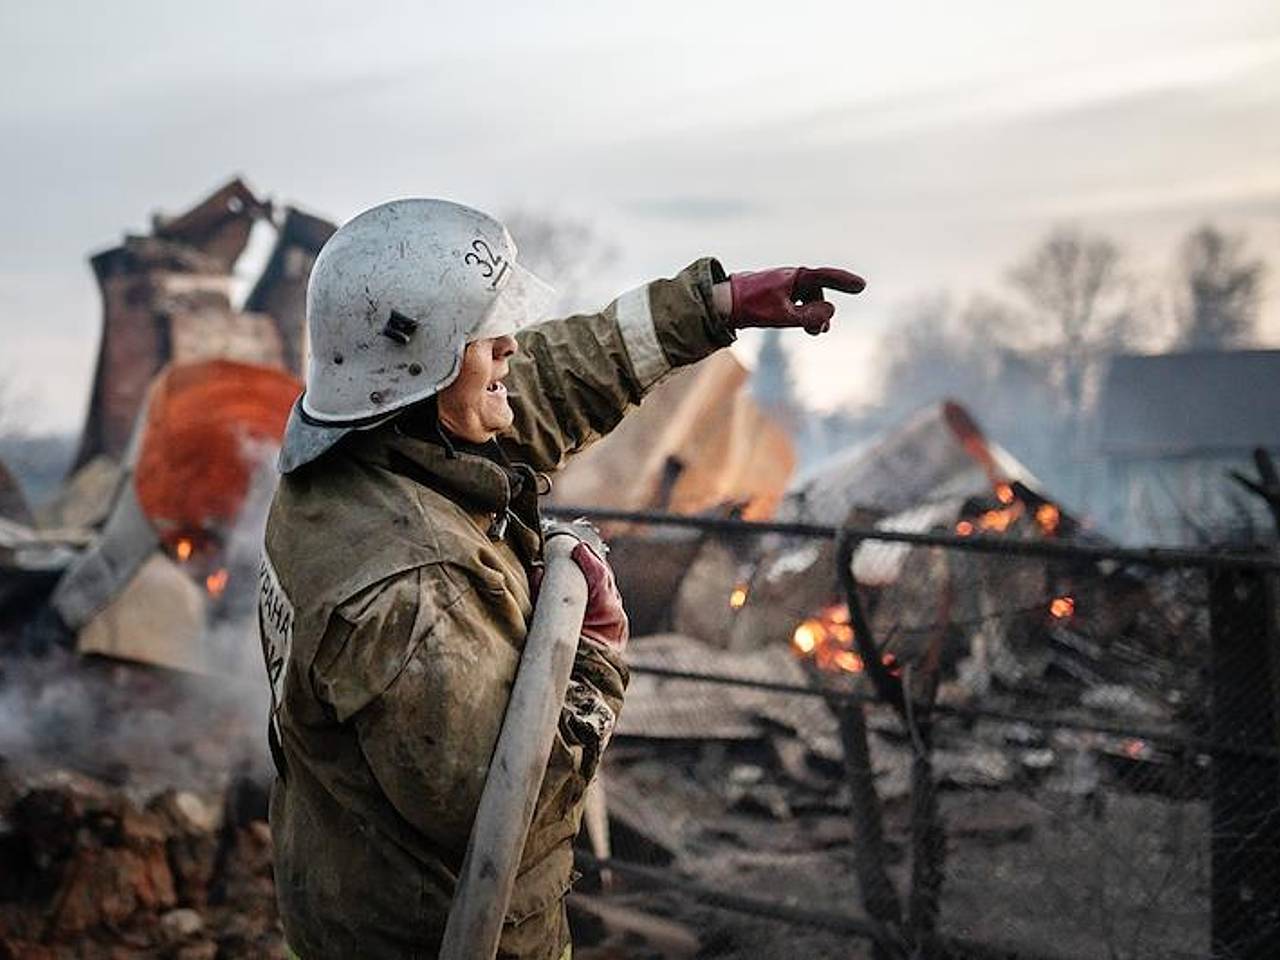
[{"x": 1245, "y": 801}]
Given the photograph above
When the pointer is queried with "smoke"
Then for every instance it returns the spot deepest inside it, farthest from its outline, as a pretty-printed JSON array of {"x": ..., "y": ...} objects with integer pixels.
[
  {"x": 148, "y": 728},
  {"x": 231, "y": 637},
  {"x": 141, "y": 728}
]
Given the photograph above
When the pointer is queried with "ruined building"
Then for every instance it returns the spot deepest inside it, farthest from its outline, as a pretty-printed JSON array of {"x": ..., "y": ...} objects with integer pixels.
[{"x": 168, "y": 297}]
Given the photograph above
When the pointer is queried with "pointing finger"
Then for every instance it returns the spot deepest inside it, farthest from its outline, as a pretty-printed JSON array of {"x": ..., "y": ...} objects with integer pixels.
[{"x": 831, "y": 277}]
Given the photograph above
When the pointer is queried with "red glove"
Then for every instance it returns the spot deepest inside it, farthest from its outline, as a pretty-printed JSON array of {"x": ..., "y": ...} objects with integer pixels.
[
  {"x": 788, "y": 297},
  {"x": 605, "y": 621}
]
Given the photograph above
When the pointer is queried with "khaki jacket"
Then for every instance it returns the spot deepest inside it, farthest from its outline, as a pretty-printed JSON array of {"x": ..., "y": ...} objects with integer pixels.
[{"x": 394, "y": 602}]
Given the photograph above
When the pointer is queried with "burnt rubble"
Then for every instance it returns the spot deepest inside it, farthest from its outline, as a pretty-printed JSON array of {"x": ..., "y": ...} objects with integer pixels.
[
  {"x": 1062, "y": 749},
  {"x": 132, "y": 815}
]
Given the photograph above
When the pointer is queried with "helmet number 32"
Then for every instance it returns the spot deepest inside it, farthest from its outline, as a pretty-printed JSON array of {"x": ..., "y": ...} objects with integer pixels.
[{"x": 492, "y": 266}]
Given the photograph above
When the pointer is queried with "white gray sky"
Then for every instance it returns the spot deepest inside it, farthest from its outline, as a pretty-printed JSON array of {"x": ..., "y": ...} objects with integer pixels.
[{"x": 926, "y": 145}]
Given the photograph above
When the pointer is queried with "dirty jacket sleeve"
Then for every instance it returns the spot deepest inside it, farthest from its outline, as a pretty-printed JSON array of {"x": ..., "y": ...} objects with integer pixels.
[
  {"x": 424, "y": 672},
  {"x": 573, "y": 380}
]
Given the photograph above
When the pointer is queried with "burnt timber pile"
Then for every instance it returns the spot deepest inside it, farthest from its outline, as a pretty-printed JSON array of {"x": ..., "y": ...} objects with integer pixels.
[
  {"x": 1067, "y": 696},
  {"x": 132, "y": 817}
]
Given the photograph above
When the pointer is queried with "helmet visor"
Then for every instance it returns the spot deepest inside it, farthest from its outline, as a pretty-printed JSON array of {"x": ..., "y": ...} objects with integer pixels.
[{"x": 523, "y": 300}]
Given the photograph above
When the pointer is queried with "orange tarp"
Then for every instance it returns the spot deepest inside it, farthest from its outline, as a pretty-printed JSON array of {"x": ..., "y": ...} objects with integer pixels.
[{"x": 207, "y": 427}]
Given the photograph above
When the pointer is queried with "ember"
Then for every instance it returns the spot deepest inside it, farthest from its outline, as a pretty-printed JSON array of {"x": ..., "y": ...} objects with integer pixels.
[
  {"x": 1000, "y": 520},
  {"x": 1004, "y": 493},
  {"x": 828, "y": 639},
  {"x": 1048, "y": 517},
  {"x": 1062, "y": 607},
  {"x": 1136, "y": 749},
  {"x": 216, "y": 582},
  {"x": 183, "y": 549},
  {"x": 738, "y": 599},
  {"x": 805, "y": 638}
]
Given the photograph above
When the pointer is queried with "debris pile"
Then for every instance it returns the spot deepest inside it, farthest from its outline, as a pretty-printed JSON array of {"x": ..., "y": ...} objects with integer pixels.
[
  {"x": 132, "y": 814},
  {"x": 91, "y": 874},
  {"x": 132, "y": 757}
]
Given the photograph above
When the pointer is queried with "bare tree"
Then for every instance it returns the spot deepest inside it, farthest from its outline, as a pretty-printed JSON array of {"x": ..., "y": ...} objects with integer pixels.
[
  {"x": 935, "y": 351},
  {"x": 1218, "y": 307},
  {"x": 971, "y": 353},
  {"x": 10, "y": 406},
  {"x": 1078, "y": 304},
  {"x": 567, "y": 253}
]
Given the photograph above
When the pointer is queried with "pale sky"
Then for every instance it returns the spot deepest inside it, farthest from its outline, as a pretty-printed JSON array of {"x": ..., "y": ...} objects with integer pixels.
[{"x": 926, "y": 145}]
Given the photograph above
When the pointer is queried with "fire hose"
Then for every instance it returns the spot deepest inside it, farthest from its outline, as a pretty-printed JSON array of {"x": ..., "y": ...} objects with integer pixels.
[{"x": 519, "y": 760}]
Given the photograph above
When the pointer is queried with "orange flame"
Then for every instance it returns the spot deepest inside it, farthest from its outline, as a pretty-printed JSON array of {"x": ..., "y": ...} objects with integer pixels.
[
  {"x": 999, "y": 521},
  {"x": 183, "y": 549},
  {"x": 827, "y": 639},
  {"x": 738, "y": 599},
  {"x": 1137, "y": 749},
  {"x": 806, "y": 637},
  {"x": 1004, "y": 493},
  {"x": 216, "y": 582},
  {"x": 1048, "y": 517},
  {"x": 994, "y": 521},
  {"x": 1062, "y": 607},
  {"x": 846, "y": 661}
]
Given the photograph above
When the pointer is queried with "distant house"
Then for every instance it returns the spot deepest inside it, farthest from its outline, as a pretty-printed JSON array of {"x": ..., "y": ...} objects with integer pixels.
[{"x": 1169, "y": 429}]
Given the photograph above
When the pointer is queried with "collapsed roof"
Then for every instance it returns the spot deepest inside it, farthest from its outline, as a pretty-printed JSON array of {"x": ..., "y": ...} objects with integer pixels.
[
  {"x": 939, "y": 452},
  {"x": 915, "y": 476}
]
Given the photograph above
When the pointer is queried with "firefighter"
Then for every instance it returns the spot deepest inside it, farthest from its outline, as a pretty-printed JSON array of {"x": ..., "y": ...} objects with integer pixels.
[{"x": 395, "y": 584}]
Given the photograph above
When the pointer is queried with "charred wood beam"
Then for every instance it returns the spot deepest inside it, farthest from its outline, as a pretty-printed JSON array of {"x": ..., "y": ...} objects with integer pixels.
[
  {"x": 1155, "y": 557},
  {"x": 928, "y": 835},
  {"x": 879, "y": 898},
  {"x": 914, "y": 703},
  {"x": 886, "y": 685},
  {"x": 928, "y": 849},
  {"x": 1175, "y": 742},
  {"x": 668, "y": 882}
]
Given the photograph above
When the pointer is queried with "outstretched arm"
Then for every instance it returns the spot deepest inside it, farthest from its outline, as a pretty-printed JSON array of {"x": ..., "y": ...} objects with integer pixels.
[{"x": 573, "y": 380}]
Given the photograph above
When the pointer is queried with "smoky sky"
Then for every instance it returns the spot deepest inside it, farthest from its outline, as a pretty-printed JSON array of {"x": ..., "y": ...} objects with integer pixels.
[{"x": 926, "y": 145}]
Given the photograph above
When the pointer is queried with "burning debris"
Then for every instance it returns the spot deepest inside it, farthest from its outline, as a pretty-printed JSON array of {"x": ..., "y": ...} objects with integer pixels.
[
  {"x": 827, "y": 641},
  {"x": 132, "y": 760},
  {"x": 131, "y": 808},
  {"x": 187, "y": 518},
  {"x": 121, "y": 821}
]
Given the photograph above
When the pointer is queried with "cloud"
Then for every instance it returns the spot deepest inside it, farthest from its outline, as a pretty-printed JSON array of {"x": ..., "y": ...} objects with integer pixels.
[{"x": 693, "y": 208}]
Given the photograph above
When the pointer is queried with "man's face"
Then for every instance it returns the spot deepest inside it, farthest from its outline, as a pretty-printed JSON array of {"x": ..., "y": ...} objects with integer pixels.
[{"x": 474, "y": 407}]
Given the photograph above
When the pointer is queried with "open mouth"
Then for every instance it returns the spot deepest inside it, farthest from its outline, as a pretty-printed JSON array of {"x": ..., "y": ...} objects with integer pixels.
[{"x": 497, "y": 387}]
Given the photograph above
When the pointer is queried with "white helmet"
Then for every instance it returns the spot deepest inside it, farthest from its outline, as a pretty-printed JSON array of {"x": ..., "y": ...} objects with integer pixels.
[{"x": 394, "y": 298}]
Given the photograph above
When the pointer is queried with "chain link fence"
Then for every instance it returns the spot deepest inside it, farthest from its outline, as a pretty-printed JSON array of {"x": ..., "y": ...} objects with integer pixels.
[{"x": 975, "y": 746}]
